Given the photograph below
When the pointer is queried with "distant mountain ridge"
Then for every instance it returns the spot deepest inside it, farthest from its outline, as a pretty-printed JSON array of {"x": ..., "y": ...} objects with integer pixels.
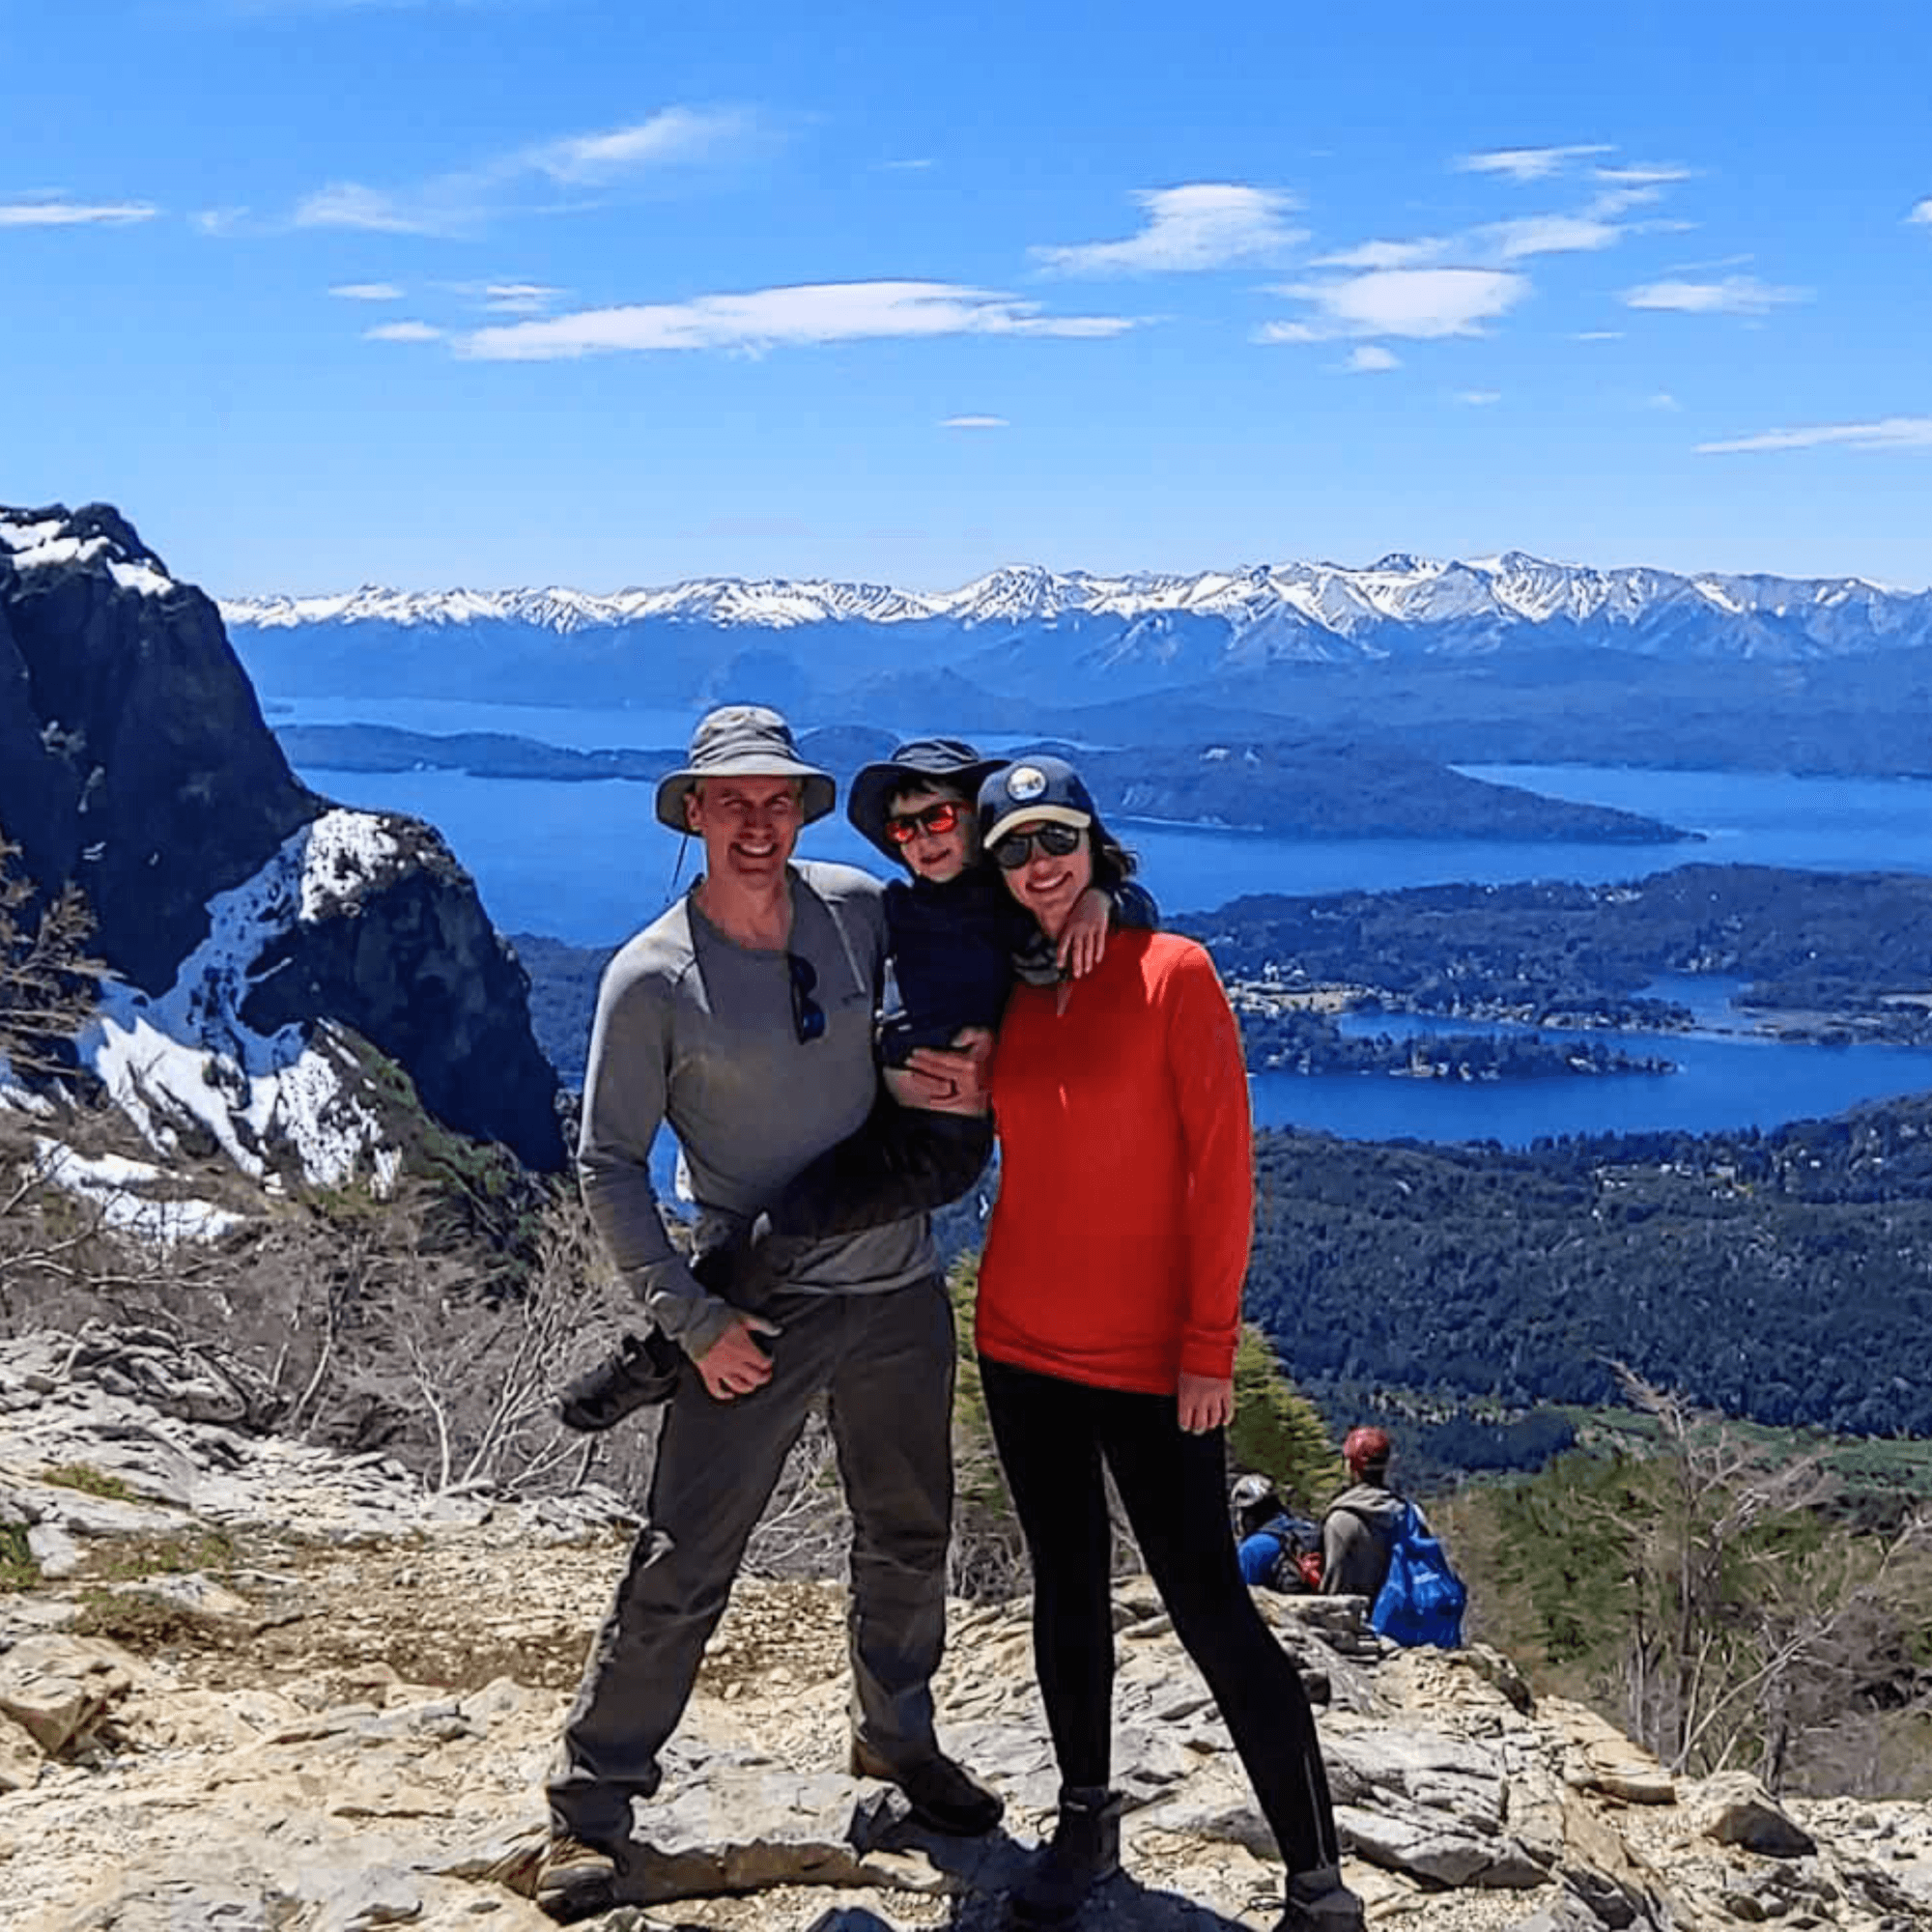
[{"x": 1315, "y": 612}]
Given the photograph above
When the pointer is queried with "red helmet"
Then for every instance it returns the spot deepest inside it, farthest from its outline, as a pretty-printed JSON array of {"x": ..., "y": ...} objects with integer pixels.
[{"x": 1367, "y": 1449}]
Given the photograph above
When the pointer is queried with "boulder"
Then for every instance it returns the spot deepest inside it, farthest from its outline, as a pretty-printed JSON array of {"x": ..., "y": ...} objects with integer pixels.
[
  {"x": 59, "y": 1689},
  {"x": 1734, "y": 1808}
]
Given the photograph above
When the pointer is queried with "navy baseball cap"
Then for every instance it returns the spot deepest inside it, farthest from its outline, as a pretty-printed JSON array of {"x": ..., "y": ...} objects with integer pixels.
[{"x": 1032, "y": 789}]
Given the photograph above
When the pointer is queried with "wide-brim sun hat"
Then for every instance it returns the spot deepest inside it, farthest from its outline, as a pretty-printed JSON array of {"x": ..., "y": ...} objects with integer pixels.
[
  {"x": 950, "y": 762},
  {"x": 1030, "y": 790},
  {"x": 743, "y": 741}
]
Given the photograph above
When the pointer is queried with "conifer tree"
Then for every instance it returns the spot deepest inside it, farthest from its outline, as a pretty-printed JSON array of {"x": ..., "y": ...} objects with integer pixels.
[{"x": 1277, "y": 1430}]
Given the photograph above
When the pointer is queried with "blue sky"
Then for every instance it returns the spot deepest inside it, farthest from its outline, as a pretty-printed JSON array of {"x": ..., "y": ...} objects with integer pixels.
[{"x": 326, "y": 292}]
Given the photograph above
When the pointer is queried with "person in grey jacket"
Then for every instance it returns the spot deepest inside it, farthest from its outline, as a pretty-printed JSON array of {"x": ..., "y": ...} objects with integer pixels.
[
  {"x": 743, "y": 1018},
  {"x": 1361, "y": 1524}
]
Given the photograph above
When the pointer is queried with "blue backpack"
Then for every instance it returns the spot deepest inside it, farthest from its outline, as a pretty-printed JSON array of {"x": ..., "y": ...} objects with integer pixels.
[{"x": 1423, "y": 1600}]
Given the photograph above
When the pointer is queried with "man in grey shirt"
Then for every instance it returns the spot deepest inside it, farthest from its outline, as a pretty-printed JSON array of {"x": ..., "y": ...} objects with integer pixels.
[{"x": 743, "y": 1017}]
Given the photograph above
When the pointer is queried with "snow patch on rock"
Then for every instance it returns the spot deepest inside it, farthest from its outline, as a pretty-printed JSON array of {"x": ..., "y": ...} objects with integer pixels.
[
  {"x": 119, "y": 1189},
  {"x": 185, "y": 1058}
]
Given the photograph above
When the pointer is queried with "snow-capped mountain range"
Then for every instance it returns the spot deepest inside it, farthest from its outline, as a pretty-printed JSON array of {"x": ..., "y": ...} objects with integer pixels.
[{"x": 1305, "y": 609}]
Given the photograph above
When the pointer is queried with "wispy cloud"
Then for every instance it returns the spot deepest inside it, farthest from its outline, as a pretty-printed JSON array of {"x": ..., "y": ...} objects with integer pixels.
[
  {"x": 1735, "y": 295},
  {"x": 1644, "y": 174},
  {"x": 1686, "y": 270},
  {"x": 1548, "y": 235},
  {"x": 1418, "y": 303},
  {"x": 1371, "y": 360},
  {"x": 976, "y": 422},
  {"x": 1202, "y": 225},
  {"x": 1921, "y": 212},
  {"x": 675, "y": 136},
  {"x": 367, "y": 292},
  {"x": 403, "y": 331},
  {"x": 1530, "y": 164},
  {"x": 1607, "y": 203},
  {"x": 57, "y": 212},
  {"x": 1597, "y": 224},
  {"x": 912, "y": 164},
  {"x": 349, "y": 205},
  {"x": 1478, "y": 399},
  {"x": 519, "y": 298},
  {"x": 1888, "y": 432},
  {"x": 579, "y": 164},
  {"x": 1663, "y": 400},
  {"x": 1388, "y": 254},
  {"x": 764, "y": 318},
  {"x": 1597, "y": 335}
]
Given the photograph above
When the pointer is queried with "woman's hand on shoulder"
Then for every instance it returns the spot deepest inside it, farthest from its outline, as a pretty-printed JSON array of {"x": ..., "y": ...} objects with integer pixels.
[
  {"x": 1084, "y": 941},
  {"x": 1206, "y": 1402}
]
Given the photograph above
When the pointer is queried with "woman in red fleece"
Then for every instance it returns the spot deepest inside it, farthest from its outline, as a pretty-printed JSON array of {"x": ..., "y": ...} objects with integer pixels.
[{"x": 1109, "y": 1309}]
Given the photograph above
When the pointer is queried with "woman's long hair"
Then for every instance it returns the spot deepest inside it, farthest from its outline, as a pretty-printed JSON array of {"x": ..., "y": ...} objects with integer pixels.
[{"x": 1113, "y": 862}]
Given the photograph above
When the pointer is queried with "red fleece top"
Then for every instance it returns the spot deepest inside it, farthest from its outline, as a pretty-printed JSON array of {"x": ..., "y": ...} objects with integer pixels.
[{"x": 1120, "y": 1240}]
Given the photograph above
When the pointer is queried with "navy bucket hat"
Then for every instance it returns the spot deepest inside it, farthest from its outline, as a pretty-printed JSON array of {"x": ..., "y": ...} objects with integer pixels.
[{"x": 919, "y": 761}]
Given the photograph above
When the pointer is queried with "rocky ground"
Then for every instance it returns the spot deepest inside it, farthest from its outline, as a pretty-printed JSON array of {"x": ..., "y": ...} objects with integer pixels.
[{"x": 247, "y": 1685}]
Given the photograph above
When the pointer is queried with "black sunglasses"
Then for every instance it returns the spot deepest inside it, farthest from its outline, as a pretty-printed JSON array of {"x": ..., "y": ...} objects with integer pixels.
[
  {"x": 808, "y": 1017},
  {"x": 1055, "y": 841},
  {"x": 903, "y": 826}
]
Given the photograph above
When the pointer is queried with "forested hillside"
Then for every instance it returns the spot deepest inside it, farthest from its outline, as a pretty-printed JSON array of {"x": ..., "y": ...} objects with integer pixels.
[{"x": 1784, "y": 1276}]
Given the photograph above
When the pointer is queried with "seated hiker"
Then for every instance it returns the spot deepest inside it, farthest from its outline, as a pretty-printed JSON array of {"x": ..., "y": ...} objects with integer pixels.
[
  {"x": 1376, "y": 1543},
  {"x": 1359, "y": 1528},
  {"x": 955, "y": 944},
  {"x": 1277, "y": 1551}
]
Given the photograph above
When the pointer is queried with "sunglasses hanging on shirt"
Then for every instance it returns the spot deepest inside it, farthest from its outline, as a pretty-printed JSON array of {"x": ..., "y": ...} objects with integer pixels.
[
  {"x": 808, "y": 1017},
  {"x": 1055, "y": 841}
]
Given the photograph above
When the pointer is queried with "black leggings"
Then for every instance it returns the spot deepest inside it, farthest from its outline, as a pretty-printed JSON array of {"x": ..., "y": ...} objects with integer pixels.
[{"x": 1052, "y": 1436}]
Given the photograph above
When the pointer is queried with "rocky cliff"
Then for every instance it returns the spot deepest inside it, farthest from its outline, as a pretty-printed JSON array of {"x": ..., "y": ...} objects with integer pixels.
[
  {"x": 250, "y": 1684},
  {"x": 247, "y": 921}
]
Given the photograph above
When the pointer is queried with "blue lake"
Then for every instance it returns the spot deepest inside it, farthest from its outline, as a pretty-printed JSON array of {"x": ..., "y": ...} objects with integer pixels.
[
  {"x": 588, "y": 863},
  {"x": 1725, "y": 1079}
]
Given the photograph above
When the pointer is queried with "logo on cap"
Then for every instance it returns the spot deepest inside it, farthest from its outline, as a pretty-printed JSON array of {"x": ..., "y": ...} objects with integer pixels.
[{"x": 1025, "y": 781}]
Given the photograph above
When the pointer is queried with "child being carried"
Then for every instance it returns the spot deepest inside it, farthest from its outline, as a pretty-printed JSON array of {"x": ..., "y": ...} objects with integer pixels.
[{"x": 958, "y": 939}]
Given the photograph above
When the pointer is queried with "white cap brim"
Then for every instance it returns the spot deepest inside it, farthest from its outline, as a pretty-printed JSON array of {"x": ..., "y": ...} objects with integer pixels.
[{"x": 1036, "y": 815}]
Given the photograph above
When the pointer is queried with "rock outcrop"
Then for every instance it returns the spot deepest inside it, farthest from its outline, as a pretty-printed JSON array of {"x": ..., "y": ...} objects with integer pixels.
[
  {"x": 241, "y": 914},
  {"x": 280, "y": 1689}
]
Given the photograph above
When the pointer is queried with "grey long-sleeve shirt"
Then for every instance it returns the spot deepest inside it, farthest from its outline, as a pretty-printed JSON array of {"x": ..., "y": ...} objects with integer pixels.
[
  {"x": 1357, "y": 1534},
  {"x": 698, "y": 1030}
]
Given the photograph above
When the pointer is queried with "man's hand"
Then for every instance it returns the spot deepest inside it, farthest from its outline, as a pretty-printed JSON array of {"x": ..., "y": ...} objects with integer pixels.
[
  {"x": 953, "y": 1080},
  {"x": 1207, "y": 1402},
  {"x": 1084, "y": 941},
  {"x": 734, "y": 1364}
]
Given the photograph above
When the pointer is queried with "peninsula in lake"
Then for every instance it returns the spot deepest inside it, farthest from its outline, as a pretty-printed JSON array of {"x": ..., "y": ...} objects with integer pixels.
[{"x": 1314, "y": 789}]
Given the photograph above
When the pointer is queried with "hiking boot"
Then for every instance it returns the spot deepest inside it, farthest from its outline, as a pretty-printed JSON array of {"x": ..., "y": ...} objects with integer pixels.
[
  {"x": 576, "y": 1879},
  {"x": 1318, "y": 1901},
  {"x": 643, "y": 1370},
  {"x": 1085, "y": 1849},
  {"x": 942, "y": 1795}
]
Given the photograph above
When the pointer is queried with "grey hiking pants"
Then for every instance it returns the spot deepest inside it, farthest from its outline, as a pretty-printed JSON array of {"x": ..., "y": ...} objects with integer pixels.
[{"x": 885, "y": 1363}]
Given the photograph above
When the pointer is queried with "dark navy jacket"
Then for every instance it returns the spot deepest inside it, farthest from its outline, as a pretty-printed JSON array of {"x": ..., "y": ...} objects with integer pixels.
[{"x": 955, "y": 949}]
